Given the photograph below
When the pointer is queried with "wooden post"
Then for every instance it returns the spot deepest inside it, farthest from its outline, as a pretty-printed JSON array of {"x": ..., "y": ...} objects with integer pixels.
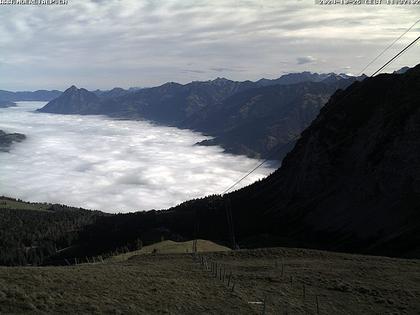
[
  {"x": 264, "y": 305},
  {"x": 229, "y": 277},
  {"x": 282, "y": 267},
  {"x": 317, "y": 305}
]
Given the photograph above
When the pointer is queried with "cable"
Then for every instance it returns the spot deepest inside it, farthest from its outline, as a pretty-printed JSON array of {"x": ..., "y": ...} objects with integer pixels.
[
  {"x": 388, "y": 47},
  {"x": 269, "y": 158},
  {"x": 376, "y": 72},
  {"x": 396, "y": 56}
]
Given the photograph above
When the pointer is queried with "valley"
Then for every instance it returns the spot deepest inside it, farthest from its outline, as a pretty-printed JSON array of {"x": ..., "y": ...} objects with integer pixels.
[
  {"x": 209, "y": 157},
  {"x": 110, "y": 164}
]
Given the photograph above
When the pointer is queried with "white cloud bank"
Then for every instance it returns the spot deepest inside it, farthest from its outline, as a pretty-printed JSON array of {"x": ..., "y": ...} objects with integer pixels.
[
  {"x": 102, "y": 44},
  {"x": 112, "y": 165}
]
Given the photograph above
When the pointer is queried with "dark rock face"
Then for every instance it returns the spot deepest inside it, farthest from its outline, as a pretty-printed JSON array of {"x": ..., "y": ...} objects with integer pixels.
[
  {"x": 351, "y": 182},
  {"x": 264, "y": 122},
  {"x": 7, "y": 139}
]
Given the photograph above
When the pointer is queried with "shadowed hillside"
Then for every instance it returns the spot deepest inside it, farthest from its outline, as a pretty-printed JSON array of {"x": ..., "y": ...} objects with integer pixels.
[
  {"x": 30, "y": 233},
  {"x": 350, "y": 184}
]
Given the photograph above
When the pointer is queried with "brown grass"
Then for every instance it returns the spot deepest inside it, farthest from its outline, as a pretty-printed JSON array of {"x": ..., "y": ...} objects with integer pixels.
[{"x": 176, "y": 284}]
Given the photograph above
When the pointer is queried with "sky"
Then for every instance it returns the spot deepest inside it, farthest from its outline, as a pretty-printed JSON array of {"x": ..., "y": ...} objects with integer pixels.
[{"x": 142, "y": 43}]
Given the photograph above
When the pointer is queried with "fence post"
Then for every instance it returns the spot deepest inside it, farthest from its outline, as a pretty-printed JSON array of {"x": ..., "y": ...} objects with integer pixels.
[
  {"x": 229, "y": 277},
  {"x": 282, "y": 267},
  {"x": 317, "y": 305},
  {"x": 264, "y": 305}
]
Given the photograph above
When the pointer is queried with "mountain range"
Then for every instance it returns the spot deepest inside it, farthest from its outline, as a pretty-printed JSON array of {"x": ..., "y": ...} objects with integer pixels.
[
  {"x": 258, "y": 119},
  {"x": 40, "y": 95},
  {"x": 6, "y": 104}
]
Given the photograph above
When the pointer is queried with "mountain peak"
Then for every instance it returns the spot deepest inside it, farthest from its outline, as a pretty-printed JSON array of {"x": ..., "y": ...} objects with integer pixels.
[{"x": 72, "y": 100}]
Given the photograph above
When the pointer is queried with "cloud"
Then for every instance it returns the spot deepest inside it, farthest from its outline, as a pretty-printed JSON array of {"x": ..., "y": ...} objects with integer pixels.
[
  {"x": 112, "y": 165},
  {"x": 102, "y": 44},
  {"x": 226, "y": 69},
  {"x": 305, "y": 60}
]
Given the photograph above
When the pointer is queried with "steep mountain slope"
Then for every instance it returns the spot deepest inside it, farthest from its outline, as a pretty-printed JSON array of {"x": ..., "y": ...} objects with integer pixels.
[
  {"x": 351, "y": 183},
  {"x": 73, "y": 100},
  {"x": 264, "y": 122}
]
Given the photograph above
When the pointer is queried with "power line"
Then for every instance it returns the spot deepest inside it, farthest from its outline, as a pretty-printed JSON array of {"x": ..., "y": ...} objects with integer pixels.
[
  {"x": 376, "y": 72},
  {"x": 269, "y": 158},
  {"x": 388, "y": 47},
  {"x": 396, "y": 56}
]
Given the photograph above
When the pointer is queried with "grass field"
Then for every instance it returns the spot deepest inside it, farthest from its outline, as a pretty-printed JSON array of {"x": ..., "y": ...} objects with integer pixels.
[
  {"x": 171, "y": 247},
  {"x": 291, "y": 281},
  {"x": 6, "y": 203}
]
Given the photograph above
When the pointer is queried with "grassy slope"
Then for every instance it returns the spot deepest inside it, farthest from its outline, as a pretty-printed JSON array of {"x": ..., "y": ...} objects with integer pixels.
[
  {"x": 171, "y": 247},
  {"x": 175, "y": 284},
  {"x": 6, "y": 203}
]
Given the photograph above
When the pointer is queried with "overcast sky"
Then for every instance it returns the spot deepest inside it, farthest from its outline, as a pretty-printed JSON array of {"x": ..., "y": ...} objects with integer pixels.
[{"x": 103, "y": 44}]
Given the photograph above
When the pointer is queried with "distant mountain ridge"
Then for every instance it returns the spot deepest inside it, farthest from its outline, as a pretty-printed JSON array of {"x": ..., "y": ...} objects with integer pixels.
[
  {"x": 6, "y": 104},
  {"x": 306, "y": 76},
  {"x": 202, "y": 105},
  {"x": 40, "y": 95}
]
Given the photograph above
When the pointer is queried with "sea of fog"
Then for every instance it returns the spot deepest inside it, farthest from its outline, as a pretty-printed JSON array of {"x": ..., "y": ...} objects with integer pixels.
[{"x": 112, "y": 165}]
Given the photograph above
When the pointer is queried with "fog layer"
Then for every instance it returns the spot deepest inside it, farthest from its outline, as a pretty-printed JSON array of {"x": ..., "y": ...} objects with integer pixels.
[{"x": 112, "y": 165}]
